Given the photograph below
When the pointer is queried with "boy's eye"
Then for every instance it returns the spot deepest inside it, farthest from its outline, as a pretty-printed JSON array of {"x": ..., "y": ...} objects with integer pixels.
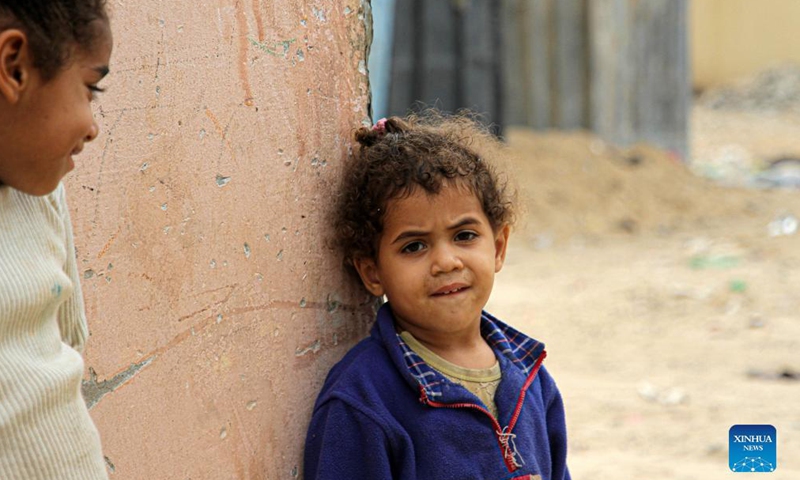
[
  {"x": 466, "y": 236},
  {"x": 413, "y": 247}
]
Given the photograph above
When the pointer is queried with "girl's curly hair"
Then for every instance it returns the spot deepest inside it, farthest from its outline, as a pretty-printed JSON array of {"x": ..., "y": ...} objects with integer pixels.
[{"x": 397, "y": 156}]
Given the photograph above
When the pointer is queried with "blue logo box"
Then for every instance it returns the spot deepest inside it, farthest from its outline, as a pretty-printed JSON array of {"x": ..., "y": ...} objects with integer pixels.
[{"x": 752, "y": 448}]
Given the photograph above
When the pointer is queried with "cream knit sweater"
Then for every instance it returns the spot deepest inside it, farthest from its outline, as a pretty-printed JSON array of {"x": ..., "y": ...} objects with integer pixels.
[{"x": 45, "y": 428}]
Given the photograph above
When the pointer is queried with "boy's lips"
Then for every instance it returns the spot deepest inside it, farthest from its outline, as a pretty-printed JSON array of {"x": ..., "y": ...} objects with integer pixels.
[{"x": 450, "y": 289}]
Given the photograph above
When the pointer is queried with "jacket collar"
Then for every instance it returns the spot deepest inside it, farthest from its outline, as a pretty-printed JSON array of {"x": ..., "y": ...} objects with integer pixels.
[{"x": 511, "y": 347}]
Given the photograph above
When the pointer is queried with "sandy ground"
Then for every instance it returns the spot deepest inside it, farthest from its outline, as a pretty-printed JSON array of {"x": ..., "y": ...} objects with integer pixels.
[{"x": 669, "y": 307}]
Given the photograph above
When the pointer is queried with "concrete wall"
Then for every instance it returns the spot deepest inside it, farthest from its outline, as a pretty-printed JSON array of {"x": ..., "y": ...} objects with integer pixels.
[
  {"x": 734, "y": 38},
  {"x": 215, "y": 309}
]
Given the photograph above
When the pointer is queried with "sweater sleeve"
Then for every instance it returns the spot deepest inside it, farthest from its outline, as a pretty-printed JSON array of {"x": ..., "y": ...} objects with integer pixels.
[
  {"x": 71, "y": 315},
  {"x": 343, "y": 442},
  {"x": 556, "y": 427}
]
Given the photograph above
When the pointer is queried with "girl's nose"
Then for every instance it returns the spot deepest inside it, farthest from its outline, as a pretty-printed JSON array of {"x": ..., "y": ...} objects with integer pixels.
[
  {"x": 444, "y": 260},
  {"x": 93, "y": 132}
]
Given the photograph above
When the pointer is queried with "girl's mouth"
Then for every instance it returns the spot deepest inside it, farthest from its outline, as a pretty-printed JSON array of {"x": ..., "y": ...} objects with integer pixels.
[{"x": 449, "y": 290}]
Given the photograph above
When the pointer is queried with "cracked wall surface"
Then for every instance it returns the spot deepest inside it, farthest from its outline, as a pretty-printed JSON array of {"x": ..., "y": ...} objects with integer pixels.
[{"x": 214, "y": 306}]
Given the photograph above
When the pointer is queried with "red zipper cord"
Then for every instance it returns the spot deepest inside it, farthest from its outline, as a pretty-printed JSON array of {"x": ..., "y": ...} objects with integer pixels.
[
  {"x": 424, "y": 399},
  {"x": 510, "y": 465},
  {"x": 528, "y": 382}
]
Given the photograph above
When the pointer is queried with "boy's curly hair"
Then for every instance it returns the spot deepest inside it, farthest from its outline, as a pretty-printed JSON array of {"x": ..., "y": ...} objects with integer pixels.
[{"x": 400, "y": 155}]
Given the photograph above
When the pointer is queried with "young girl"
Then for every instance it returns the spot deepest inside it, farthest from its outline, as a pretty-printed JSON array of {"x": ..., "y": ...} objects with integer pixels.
[
  {"x": 52, "y": 55},
  {"x": 440, "y": 389}
]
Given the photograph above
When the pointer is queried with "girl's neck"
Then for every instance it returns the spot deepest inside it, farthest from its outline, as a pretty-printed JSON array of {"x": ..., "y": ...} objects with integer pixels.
[{"x": 468, "y": 349}]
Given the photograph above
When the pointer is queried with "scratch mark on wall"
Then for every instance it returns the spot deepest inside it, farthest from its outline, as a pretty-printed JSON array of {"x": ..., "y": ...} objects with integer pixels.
[
  {"x": 307, "y": 305},
  {"x": 158, "y": 59},
  {"x": 178, "y": 56},
  {"x": 241, "y": 428},
  {"x": 146, "y": 108},
  {"x": 108, "y": 244},
  {"x": 241, "y": 20},
  {"x": 94, "y": 391},
  {"x": 195, "y": 313},
  {"x": 108, "y": 145},
  {"x": 223, "y": 132},
  {"x": 231, "y": 289},
  {"x": 211, "y": 319}
]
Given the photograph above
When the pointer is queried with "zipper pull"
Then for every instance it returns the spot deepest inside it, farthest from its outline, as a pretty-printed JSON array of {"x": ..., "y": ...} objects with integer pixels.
[{"x": 510, "y": 447}]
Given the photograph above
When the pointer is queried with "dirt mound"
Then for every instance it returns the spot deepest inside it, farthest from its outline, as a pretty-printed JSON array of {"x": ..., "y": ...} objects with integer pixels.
[{"x": 577, "y": 185}]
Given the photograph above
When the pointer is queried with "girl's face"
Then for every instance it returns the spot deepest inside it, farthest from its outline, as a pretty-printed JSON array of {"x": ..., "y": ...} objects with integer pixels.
[
  {"x": 50, "y": 121},
  {"x": 437, "y": 258}
]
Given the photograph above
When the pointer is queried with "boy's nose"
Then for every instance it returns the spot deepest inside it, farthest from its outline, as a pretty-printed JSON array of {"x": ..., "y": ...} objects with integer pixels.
[
  {"x": 445, "y": 260},
  {"x": 93, "y": 132}
]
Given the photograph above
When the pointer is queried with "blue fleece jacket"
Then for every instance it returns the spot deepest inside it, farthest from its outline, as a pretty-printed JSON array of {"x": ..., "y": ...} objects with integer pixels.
[{"x": 385, "y": 414}]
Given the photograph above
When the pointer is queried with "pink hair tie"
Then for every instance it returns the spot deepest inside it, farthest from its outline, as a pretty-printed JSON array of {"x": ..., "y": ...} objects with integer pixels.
[{"x": 380, "y": 126}]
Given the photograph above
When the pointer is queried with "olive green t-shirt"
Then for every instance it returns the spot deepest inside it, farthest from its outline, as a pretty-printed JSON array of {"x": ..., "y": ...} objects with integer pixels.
[{"x": 482, "y": 382}]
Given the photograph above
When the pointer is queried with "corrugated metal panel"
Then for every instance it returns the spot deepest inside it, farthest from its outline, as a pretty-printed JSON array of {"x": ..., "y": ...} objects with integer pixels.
[
  {"x": 446, "y": 56},
  {"x": 618, "y": 67}
]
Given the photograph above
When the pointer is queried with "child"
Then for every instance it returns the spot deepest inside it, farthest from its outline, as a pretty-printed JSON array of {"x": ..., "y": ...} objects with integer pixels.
[
  {"x": 52, "y": 55},
  {"x": 440, "y": 389}
]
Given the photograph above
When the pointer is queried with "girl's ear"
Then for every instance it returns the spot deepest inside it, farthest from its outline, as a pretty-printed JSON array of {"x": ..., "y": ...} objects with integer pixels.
[
  {"x": 370, "y": 276},
  {"x": 500, "y": 247},
  {"x": 15, "y": 63}
]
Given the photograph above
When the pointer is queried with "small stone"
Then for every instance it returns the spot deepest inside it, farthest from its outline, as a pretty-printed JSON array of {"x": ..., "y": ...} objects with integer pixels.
[
  {"x": 756, "y": 321},
  {"x": 648, "y": 391}
]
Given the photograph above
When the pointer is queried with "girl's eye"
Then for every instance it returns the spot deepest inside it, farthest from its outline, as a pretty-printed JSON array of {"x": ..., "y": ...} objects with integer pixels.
[
  {"x": 466, "y": 236},
  {"x": 413, "y": 247},
  {"x": 95, "y": 90}
]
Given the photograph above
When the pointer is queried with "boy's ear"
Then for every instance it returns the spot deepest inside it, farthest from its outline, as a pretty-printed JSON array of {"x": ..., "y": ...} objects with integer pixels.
[
  {"x": 368, "y": 271},
  {"x": 15, "y": 63},
  {"x": 500, "y": 246}
]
